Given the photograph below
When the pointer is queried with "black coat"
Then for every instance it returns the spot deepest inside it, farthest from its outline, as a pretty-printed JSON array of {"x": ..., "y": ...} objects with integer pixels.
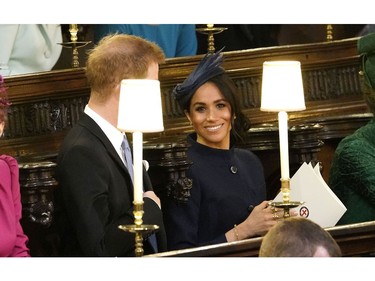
[
  {"x": 95, "y": 196},
  {"x": 226, "y": 183}
]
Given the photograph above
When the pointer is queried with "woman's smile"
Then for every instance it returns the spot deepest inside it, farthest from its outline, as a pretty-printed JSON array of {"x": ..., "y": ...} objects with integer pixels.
[{"x": 214, "y": 128}]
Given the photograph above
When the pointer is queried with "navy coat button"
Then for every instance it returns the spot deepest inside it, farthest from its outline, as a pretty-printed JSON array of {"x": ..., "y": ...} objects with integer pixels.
[{"x": 233, "y": 169}]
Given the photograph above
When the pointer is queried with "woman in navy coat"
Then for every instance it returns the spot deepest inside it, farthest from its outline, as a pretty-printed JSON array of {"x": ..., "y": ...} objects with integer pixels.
[{"x": 228, "y": 195}]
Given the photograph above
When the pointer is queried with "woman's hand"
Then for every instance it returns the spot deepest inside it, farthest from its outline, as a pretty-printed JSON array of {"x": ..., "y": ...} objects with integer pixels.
[{"x": 260, "y": 220}]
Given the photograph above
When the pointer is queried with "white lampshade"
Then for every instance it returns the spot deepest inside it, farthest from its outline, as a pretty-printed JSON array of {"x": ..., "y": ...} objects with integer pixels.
[
  {"x": 140, "y": 108},
  {"x": 282, "y": 87}
]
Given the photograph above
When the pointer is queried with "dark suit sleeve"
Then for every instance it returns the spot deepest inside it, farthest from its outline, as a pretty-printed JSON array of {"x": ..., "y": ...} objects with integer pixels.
[
  {"x": 153, "y": 215},
  {"x": 147, "y": 185},
  {"x": 98, "y": 195}
]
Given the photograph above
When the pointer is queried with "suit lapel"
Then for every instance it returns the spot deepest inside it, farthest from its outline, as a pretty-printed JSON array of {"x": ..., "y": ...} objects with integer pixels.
[{"x": 94, "y": 128}]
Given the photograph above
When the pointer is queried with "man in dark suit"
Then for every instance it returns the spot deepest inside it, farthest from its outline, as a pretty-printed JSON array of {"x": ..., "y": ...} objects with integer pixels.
[{"x": 95, "y": 193}]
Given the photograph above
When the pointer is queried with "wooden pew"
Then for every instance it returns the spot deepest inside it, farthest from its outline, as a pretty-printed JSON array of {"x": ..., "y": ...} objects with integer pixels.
[
  {"x": 354, "y": 240},
  {"x": 47, "y": 104}
]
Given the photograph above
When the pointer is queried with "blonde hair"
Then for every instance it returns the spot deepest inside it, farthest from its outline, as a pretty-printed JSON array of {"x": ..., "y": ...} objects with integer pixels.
[{"x": 117, "y": 57}]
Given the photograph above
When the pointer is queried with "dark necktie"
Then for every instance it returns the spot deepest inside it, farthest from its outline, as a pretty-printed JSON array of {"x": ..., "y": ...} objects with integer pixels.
[{"x": 129, "y": 164}]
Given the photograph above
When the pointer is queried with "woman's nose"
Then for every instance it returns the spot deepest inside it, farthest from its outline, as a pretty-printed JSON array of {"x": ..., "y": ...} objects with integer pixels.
[{"x": 211, "y": 114}]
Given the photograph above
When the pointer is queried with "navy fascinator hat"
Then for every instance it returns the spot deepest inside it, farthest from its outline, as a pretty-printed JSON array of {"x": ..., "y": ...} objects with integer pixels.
[{"x": 208, "y": 67}]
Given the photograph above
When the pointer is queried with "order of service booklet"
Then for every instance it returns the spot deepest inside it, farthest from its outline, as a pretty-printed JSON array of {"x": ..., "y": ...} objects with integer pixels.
[{"x": 321, "y": 204}]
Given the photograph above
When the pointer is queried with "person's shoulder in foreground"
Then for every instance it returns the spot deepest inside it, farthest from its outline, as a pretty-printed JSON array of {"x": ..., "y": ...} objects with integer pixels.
[{"x": 298, "y": 237}]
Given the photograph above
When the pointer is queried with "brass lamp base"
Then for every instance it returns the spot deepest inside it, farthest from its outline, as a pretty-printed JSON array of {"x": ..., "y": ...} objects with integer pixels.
[
  {"x": 286, "y": 206},
  {"x": 75, "y": 46},
  {"x": 210, "y": 31},
  {"x": 144, "y": 228},
  {"x": 139, "y": 228},
  {"x": 139, "y": 231}
]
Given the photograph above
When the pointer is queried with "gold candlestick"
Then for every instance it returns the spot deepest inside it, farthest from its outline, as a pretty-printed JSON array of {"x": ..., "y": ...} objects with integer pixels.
[
  {"x": 74, "y": 44},
  {"x": 283, "y": 78},
  {"x": 139, "y": 228},
  {"x": 286, "y": 204},
  {"x": 329, "y": 32},
  {"x": 132, "y": 109},
  {"x": 210, "y": 30},
  {"x": 73, "y": 30}
]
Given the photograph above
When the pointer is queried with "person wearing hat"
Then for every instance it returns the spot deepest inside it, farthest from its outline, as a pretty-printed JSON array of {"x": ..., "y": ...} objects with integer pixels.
[
  {"x": 228, "y": 197},
  {"x": 13, "y": 240},
  {"x": 352, "y": 174}
]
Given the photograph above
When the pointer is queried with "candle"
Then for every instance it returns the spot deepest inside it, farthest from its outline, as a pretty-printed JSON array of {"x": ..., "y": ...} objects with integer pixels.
[
  {"x": 283, "y": 138},
  {"x": 138, "y": 167}
]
